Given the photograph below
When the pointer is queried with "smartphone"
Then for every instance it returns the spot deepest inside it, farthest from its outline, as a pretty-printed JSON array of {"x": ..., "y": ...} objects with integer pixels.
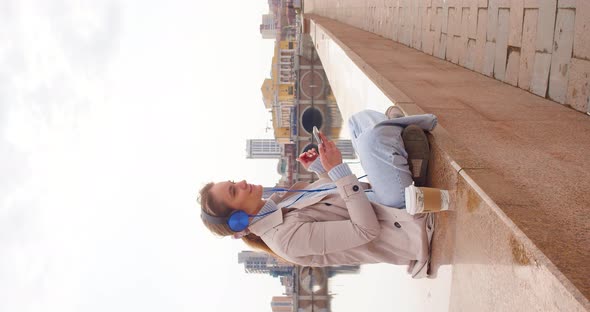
[{"x": 316, "y": 134}]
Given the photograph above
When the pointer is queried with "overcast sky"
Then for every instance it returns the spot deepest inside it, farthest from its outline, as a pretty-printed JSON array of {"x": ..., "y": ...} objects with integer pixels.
[{"x": 112, "y": 115}]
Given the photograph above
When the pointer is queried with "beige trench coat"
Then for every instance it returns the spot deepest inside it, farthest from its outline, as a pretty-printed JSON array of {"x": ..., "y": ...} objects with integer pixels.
[{"x": 346, "y": 230}]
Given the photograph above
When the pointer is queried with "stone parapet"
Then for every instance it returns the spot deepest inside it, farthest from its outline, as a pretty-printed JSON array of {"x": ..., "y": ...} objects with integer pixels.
[{"x": 541, "y": 46}]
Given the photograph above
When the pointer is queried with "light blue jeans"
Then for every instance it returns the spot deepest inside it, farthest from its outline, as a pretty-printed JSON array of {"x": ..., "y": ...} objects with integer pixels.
[{"x": 380, "y": 148}]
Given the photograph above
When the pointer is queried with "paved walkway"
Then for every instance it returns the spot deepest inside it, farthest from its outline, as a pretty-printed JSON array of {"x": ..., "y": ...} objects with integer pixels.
[{"x": 520, "y": 162}]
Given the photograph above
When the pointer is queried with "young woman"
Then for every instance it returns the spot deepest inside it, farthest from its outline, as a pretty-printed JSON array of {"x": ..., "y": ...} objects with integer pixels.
[{"x": 337, "y": 220}]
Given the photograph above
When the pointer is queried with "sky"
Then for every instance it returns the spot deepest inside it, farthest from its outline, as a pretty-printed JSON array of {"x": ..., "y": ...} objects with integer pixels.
[{"x": 112, "y": 115}]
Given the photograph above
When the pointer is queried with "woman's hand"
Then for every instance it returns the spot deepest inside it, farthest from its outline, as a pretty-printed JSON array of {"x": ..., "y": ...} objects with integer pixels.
[
  {"x": 330, "y": 155},
  {"x": 306, "y": 158}
]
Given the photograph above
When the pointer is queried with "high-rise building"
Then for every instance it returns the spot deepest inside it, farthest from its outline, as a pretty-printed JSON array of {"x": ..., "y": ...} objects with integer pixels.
[
  {"x": 282, "y": 304},
  {"x": 346, "y": 149},
  {"x": 261, "y": 262},
  {"x": 263, "y": 148},
  {"x": 268, "y": 28}
]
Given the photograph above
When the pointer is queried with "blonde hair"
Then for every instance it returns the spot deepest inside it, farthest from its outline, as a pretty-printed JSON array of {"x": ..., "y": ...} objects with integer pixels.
[{"x": 217, "y": 208}]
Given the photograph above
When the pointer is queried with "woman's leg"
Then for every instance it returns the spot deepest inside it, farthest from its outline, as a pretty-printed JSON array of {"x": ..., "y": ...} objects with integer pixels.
[{"x": 382, "y": 155}]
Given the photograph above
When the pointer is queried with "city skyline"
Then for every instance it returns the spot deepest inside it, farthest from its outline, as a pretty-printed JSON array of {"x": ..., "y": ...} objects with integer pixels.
[{"x": 300, "y": 283}]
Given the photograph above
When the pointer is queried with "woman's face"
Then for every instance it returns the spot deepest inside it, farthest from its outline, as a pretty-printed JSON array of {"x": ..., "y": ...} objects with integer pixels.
[{"x": 239, "y": 196}]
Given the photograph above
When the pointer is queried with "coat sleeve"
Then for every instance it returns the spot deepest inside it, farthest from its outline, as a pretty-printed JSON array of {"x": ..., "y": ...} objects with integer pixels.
[
  {"x": 324, "y": 237},
  {"x": 317, "y": 168}
]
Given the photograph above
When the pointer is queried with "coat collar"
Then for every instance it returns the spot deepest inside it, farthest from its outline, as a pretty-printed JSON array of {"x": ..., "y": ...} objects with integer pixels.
[{"x": 268, "y": 222}]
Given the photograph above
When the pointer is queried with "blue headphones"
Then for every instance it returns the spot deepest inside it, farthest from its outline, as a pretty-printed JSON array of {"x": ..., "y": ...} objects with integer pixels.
[{"x": 237, "y": 221}]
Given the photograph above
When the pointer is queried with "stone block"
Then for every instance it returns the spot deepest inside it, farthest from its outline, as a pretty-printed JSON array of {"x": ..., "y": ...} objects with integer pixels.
[
  {"x": 417, "y": 30},
  {"x": 431, "y": 18},
  {"x": 527, "y": 52},
  {"x": 457, "y": 20},
  {"x": 428, "y": 42},
  {"x": 489, "y": 57},
  {"x": 531, "y": 4},
  {"x": 513, "y": 66},
  {"x": 454, "y": 21},
  {"x": 407, "y": 35},
  {"x": 450, "y": 53},
  {"x": 482, "y": 3},
  {"x": 462, "y": 44},
  {"x": 361, "y": 18},
  {"x": 578, "y": 89},
  {"x": 480, "y": 41},
  {"x": 470, "y": 57},
  {"x": 417, "y": 39},
  {"x": 379, "y": 21},
  {"x": 562, "y": 55},
  {"x": 540, "y": 73},
  {"x": 516, "y": 19},
  {"x": 406, "y": 31},
  {"x": 464, "y": 36},
  {"x": 396, "y": 26},
  {"x": 501, "y": 53},
  {"x": 445, "y": 18},
  {"x": 566, "y": 4},
  {"x": 440, "y": 50},
  {"x": 460, "y": 49},
  {"x": 437, "y": 20},
  {"x": 472, "y": 23},
  {"x": 465, "y": 22},
  {"x": 545, "y": 25},
  {"x": 426, "y": 19},
  {"x": 582, "y": 29},
  {"x": 422, "y": 23},
  {"x": 492, "y": 20},
  {"x": 414, "y": 24},
  {"x": 388, "y": 32},
  {"x": 388, "y": 24}
]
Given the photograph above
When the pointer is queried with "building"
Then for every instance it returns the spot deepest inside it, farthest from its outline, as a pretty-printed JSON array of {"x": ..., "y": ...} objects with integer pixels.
[
  {"x": 268, "y": 28},
  {"x": 263, "y": 148},
  {"x": 263, "y": 263},
  {"x": 346, "y": 149},
  {"x": 282, "y": 304},
  {"x": 278, "y": 91}
]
